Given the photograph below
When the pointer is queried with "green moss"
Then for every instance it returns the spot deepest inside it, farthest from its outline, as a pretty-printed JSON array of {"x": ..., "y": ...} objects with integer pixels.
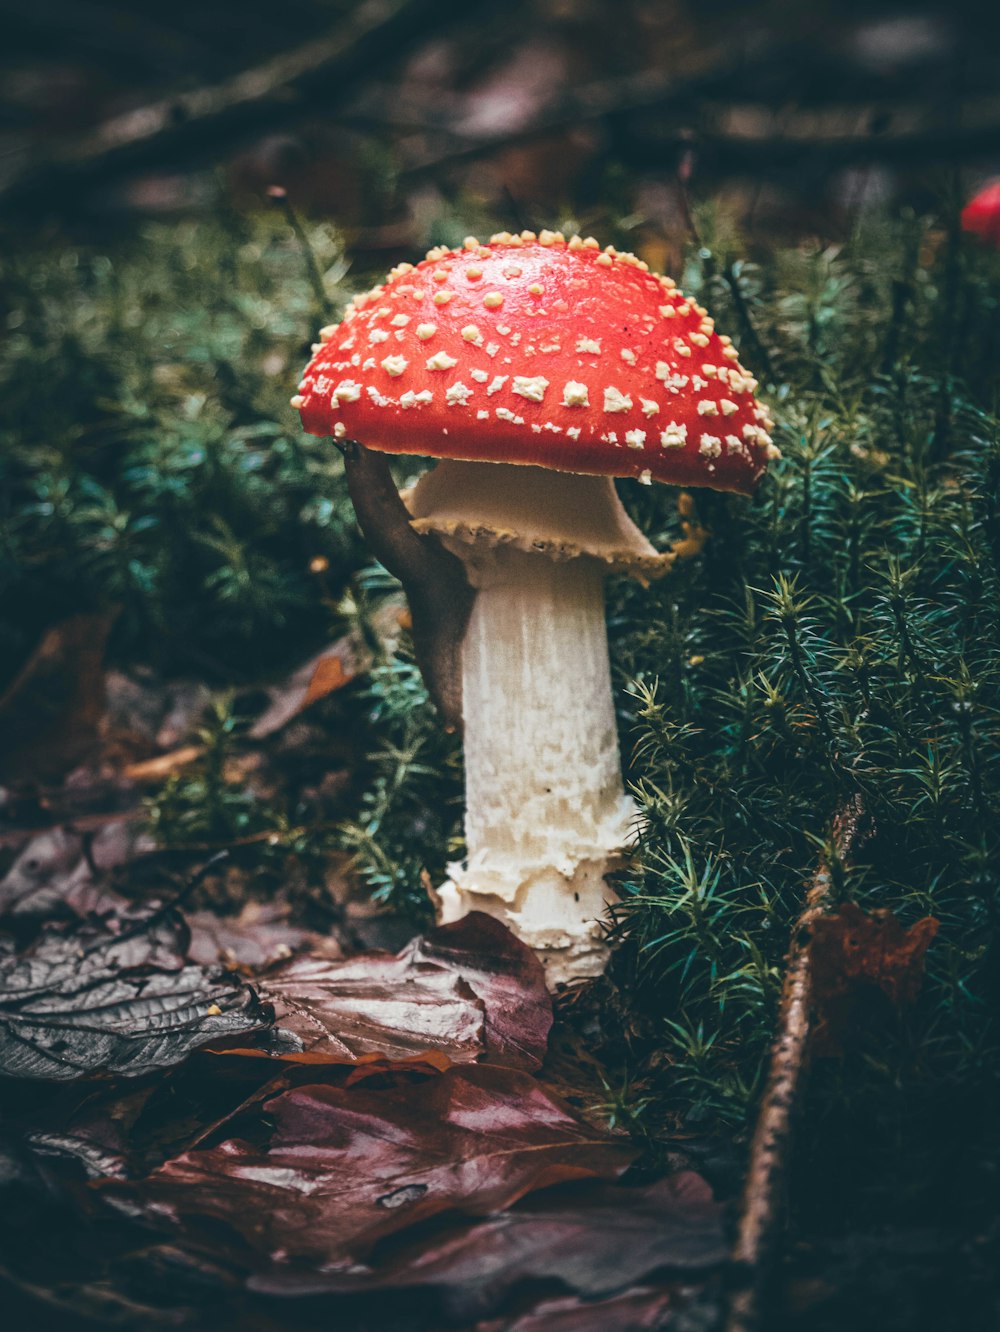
[
  {"x": 148, "y": 455},
  {"x": 838, "y": 636}
]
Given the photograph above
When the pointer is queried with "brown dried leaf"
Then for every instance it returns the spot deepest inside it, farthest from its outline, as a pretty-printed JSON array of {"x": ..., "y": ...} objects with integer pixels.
[
  {"x": 257, "y": 938},
  {"x": 466, "y": 991},
  {"x": 321, "y": 675},
  {"x": 328, "y": 676},
  {"x": 345, "y": 1167},
  {"x": 855, "y": 956},
  {"x": 51, "y": 712}
]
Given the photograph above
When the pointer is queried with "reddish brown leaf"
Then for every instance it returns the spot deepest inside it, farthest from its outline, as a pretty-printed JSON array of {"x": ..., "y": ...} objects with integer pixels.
[
  {"x": 466, "y": 991},
  {"x": 341, "y": 1012},
  {"x": 506, "y": 975},
  {"x": 644, "y": 1309},
  {"x": 328, "y": 671},
  {"x": 856, "y": 956},
  {"x": 257, "y": 938},
  {"x": 51, "y": 712},
  {"x": 346, "y": 1167},
  {"x": 592, "y": 1240},
  {"x": 328, "y": 676}
]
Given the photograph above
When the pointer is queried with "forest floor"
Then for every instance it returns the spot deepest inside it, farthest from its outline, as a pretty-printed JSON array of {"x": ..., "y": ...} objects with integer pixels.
[{"x": 246, "y": 1083}]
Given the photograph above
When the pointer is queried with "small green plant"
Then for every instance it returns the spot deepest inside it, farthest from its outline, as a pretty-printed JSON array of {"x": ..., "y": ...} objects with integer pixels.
[
  {"x": 203, "y": 804},
  {"x": 409, "y": 821},
  {"x": 837, "y": 637},
  {"x": 148, "y": 454}
]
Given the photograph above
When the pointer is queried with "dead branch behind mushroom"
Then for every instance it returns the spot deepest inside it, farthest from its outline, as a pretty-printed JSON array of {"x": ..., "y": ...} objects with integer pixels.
[{"x": 763, "y": 1191}]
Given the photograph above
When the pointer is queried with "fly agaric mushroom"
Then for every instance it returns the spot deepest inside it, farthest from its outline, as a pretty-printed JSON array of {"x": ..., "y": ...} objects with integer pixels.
[
  {"x": 536, "y": 369},
  {"x": 981, "y": 215}
]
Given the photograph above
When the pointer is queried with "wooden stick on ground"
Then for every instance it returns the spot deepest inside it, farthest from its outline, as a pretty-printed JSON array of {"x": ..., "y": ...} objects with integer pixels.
[
  {"x": 199, "y": 122},
  {"x": 763, "y": 1193}
]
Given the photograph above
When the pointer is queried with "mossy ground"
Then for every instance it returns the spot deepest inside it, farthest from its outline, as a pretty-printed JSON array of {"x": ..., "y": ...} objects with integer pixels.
[{"x": 837, "y": 637}]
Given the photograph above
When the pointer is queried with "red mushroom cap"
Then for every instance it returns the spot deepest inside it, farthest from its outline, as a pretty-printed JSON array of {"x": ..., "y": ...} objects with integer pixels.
[
  {"x": 540, "y": 351},
  {"x": 981, "y": 214}
]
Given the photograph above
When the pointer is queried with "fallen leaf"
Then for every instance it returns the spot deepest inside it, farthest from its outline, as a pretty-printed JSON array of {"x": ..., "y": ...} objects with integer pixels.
[
  {"x": 506, "y": 975},
  {"x": 469, "y": 990},
  {"x": 99, "y": 1001},
  {"x": 328, "y": 676},
  {"x": 321, "y": 675},
  {"x": 50, "y": 714},
  {"x": 255, "y": 939},
  {"x": 329, "y": 670},
  {"x": 644, "y": 1309},
  {"x": 65, "y": 870},
  {"x": 343, "y": 1012},
  {"x": 346, "y": 1167},
  {"x": 856, "y": 956},
  {"x": 591, "y": 1240}
]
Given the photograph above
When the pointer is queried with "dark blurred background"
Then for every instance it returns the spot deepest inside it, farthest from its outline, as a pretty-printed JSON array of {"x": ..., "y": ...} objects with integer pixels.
[{"x": 393, "y": 116}]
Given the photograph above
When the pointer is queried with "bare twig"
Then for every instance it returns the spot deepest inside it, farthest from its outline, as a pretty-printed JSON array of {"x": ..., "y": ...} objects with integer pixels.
[
  {"x": 433, "y": 579},
  {"x": 734, "y": 137},
  {"x": 704, "y": 71},
  {"x": 191, "y": 123},
  {"x": 763, "y": 1193}
]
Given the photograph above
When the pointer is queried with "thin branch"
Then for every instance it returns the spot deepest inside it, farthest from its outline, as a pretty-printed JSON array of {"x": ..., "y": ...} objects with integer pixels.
[
  {"x": 727, "y": 135},
  {"x": 196, "y": 122},
  {"x": 763, "y": 1194},
  {"x": 433, "y": 579},
  {"x": 704, "y": 71}
]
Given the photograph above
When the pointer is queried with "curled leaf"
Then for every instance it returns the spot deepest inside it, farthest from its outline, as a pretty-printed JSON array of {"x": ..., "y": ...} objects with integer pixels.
[
  {"x": 97, "y": 1001},
  {"x": 858, "y": 956},
  {"x": 466, "y": 991},
  {"x": 345, "y": 1167}
]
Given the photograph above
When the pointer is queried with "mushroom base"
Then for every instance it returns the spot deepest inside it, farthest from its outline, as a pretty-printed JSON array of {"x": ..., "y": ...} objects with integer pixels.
[
  {"x": 558, "y": 915},
  {"x": 546, "y": 813}
]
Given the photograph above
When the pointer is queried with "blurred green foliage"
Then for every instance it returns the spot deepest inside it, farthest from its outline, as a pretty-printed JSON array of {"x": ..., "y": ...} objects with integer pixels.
[{"x": 148, "y": 453}]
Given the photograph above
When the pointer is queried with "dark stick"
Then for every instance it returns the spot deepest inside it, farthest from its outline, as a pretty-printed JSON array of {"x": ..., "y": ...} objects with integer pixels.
[
  {"x": 145, "y": 923},
  {"x": 763, "y": 1192},
  {"x": 280, "y": 197},
  {"x": 652, "y": 146},
  {"x": 433, "y": 579},
  {"x": 198, "y": 122}
]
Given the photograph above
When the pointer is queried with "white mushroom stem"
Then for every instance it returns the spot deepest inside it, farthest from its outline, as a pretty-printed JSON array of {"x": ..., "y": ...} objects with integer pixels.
[
  {"x": 546, "y": 813},
  {"x": 547, "y": 816}
]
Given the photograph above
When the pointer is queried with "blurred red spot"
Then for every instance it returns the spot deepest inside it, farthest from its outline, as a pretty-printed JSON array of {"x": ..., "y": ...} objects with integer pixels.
[{"x": 981, "y": 214}]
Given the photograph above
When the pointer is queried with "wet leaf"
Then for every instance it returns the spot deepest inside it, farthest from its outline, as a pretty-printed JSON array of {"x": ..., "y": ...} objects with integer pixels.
[
  {"x": 345, "y": 1167},
  {"x": 467, "y": 991},
  {"x": 591, "y": 1240},
  {"x": 258, "y": 937},
  {"x": 857, "y": 957},
  {"x": 644, "y": 1309},
  {"x": 95, "y": 1000}
]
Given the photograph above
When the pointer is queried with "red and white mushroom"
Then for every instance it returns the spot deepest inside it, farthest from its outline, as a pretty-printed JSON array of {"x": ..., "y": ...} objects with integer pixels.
[
  {"x": 981, "y": 215},
  {"x": 536, "y": 369}
]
